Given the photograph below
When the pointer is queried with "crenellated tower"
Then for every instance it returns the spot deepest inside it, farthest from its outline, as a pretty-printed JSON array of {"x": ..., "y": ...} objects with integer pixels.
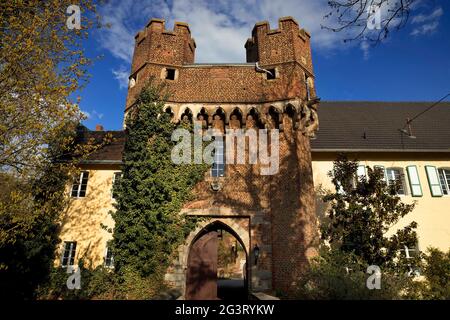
[
  {"x": 157, "y": 45},
  {"x": 273, "y": 90},
  {"x": 287, "y": 43}
]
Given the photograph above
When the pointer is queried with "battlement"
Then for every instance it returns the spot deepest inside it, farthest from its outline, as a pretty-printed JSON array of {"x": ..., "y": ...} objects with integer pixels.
[
  {"x": 168, "y": 56},
  {"x": 284, "y": 23},
  {"x": 156, "y": 44},
  {"x": 158, "y": 26},
  {"x": 286, "y": 43}
]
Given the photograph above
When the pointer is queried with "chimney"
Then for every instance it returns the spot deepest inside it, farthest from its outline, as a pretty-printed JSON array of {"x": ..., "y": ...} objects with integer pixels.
[{"x": 99, "y": 127}]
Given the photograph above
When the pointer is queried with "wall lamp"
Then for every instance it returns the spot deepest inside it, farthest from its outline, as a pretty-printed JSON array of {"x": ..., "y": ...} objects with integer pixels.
[{"x": 256, "y": 253}]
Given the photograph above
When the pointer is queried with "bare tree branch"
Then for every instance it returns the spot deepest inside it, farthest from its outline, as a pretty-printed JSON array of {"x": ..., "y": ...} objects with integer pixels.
[{"x": 368, "y": 20}]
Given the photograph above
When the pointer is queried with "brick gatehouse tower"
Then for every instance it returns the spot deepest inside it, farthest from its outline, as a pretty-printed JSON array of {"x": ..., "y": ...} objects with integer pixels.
[{"x": 271, "y": 216}]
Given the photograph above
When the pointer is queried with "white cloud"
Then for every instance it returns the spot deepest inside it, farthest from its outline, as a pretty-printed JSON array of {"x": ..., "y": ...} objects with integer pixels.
[
  {"x": 425, "y": 29},
  {"x": 124, "y": 18},
  {"x": 92, "y": 115},
  {"x": 221, "y": 27},
  {"x": 429, "y": 22},
  {"x": 121, "y": 75},
  {"x": 97, "y": 114},
  {"x": 420, "y": 18}
]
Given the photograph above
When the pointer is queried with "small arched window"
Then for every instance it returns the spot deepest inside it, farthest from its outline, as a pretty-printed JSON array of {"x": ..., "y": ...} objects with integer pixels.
[{"x": 186, "y": 116}]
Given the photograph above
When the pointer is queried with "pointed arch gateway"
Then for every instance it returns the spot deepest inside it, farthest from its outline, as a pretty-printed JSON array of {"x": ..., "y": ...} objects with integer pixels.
[{"x": 202, "y": 282}]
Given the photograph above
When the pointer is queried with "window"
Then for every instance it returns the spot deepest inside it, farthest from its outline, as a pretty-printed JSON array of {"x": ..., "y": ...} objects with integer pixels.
[
  {"x": 218, "y": 167},
  {"x": 395, "y": 176},
  {"x": 80, "y": 184},
  {"x": 116, "y": 178},
  {"x": 414, "y": 181},
  {"x": 383, "y": 171},
  {"x": 170, "y": 74},
  {"x": 361, "y": 171},
  {"x": 359, "y": 175},
  {"x": 434, "y": 181},
  {"x": 68, "y": 255},
  {"x": 409, "y": 253},
  {"x": 109, "y": 258},
  {"x": 272, "y": 74},
  {"x": 132, "y": 81},
  {"x": 444, "y": 179}
]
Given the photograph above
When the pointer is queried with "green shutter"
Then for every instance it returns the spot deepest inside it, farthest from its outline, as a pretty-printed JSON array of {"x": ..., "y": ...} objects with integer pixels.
[
  {"x": 414, "y": 181},
  {"x": 433, "y": 181}
]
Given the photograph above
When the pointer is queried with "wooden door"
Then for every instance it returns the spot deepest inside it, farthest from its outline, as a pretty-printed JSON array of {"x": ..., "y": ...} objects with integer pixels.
[{"x": 201, "y": 277}]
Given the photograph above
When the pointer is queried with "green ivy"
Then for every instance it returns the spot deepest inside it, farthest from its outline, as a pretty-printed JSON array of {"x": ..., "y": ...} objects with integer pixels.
[{"x": 152, "y": 190}]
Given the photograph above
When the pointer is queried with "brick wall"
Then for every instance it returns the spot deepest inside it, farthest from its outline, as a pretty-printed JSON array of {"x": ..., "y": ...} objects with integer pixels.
[
  {"x": 276, "y": 212},
  {"x": 286, "y": 48}
]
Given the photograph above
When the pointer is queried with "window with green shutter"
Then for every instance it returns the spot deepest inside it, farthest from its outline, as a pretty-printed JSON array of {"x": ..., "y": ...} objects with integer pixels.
[
  {"x": 414, "y": 181},
  {"x": 433, "y": 181}
]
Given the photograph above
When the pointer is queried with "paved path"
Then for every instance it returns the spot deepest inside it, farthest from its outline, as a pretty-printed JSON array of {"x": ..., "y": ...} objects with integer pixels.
[{"x": 231, "y": 289}]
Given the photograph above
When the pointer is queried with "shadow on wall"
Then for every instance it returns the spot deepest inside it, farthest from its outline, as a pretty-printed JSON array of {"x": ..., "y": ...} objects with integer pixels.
[
  {"x": 321, "y": 206},
  {"x": 286, "y": 200},
  {"x": 200, "y": 275},
  {"x": 82, "y": 222}
]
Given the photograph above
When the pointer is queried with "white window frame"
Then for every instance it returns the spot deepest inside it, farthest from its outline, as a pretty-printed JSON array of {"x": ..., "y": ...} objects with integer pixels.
[
  {"x": 414, "y": 181},
  {"x": 402, "y": 179},
  {"x": 360, "y": 173},
  {"x": 80, "y": 183},
  {"x": 433, "y": 181},
  {"x": 445, "y": 183},
  {"x": 218, "y": 167},
  {"x": 72, "y": 253},
  {"x": 406, "y": 252},
  {"x": 113, "y": 181},
  {"x": 107, "y": 250}
]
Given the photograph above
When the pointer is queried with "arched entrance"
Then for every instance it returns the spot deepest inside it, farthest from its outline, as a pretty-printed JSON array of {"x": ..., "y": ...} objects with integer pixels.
[{"x": 217, "y": 265}]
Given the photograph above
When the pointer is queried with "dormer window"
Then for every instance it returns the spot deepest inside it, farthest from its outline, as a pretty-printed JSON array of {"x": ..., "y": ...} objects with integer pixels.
[
  {"x": 170, "y": 74},
  {"x": 272, "y": 74}
]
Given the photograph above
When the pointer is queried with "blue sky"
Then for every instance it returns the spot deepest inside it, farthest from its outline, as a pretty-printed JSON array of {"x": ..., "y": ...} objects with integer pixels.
[{"x": 412, "y": 65}]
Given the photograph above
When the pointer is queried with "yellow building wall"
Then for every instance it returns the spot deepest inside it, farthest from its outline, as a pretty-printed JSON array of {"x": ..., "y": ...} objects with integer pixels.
[
  {"x": 431, "y": 213},
  {"x": 82, "y": 221}
]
